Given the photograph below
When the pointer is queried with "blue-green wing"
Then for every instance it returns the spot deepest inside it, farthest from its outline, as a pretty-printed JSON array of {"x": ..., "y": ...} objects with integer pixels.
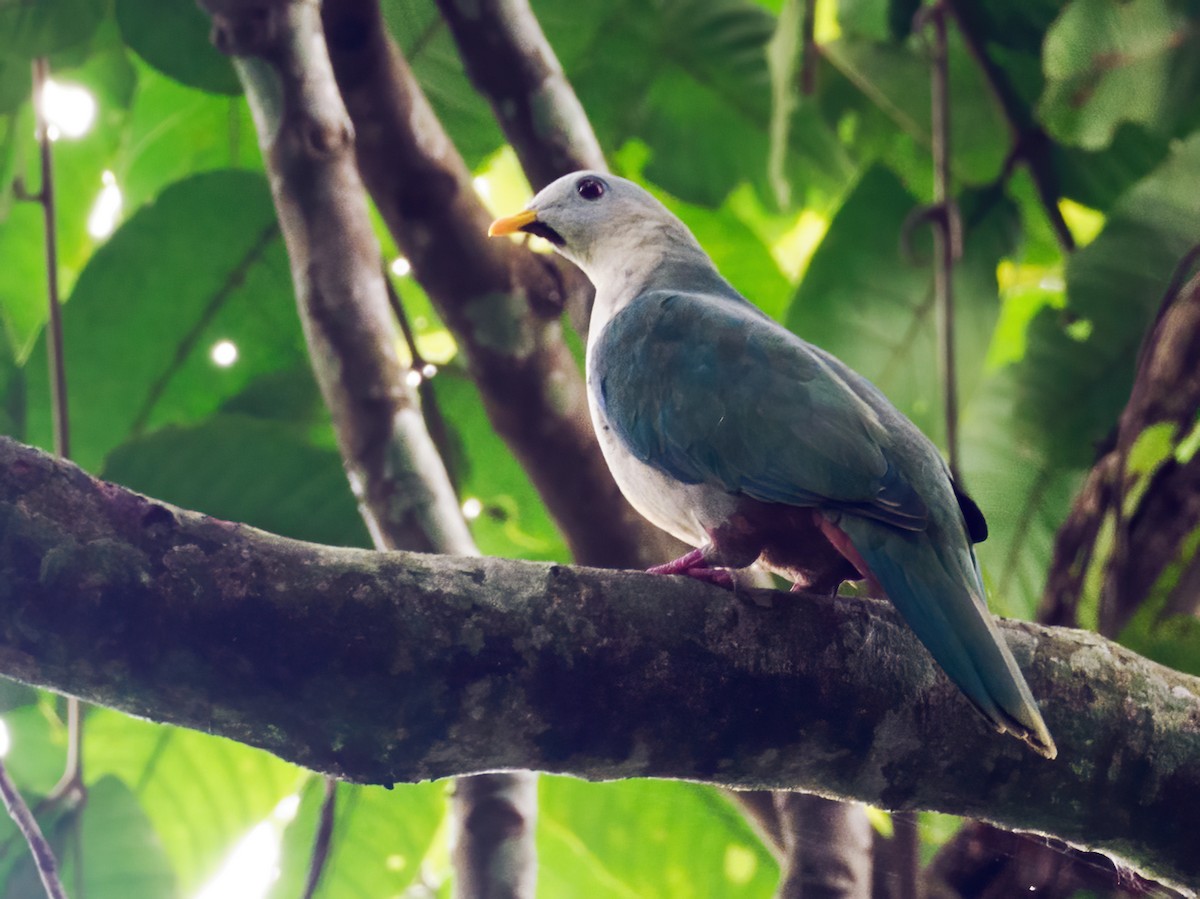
[{"x": 707, "y": 389}]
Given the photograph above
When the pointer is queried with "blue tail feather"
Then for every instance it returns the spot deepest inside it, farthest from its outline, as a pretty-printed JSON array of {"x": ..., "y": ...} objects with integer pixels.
[{"x": 939, "y": 593}]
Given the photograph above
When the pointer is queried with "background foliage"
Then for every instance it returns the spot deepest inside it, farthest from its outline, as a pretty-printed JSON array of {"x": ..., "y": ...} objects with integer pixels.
[{"x": 682, "y": 97}]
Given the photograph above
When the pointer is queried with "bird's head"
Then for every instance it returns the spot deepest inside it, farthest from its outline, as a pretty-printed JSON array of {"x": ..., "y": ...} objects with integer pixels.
[{"x": 602, "y": 223}]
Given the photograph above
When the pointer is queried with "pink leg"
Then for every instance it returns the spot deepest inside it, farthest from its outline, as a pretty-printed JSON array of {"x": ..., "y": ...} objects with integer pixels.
[
  {"x": 694, "y": 565},
  {"x": 842, "y": 544}
]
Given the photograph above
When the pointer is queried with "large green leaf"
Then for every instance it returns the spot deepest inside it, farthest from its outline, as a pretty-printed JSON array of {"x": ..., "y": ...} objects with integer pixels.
[
  {"x": 863, "y": 302},
  {"x": 245, "y": 469},
  {"x": 381, "y": 838},
  {"x": 1079, "y": 363},
  {"x": 203, "y": 264},
  {"x": 38, "y": 739},
  {"x": 1108, "y": 61},
  {"x": 512, "y": 521},
  {"x": 430, "y": 50},
  {"x": 30, "y": 28},
  {"x": 1024, "y": 493},
  {"x": 105, "y": 850},
  {"x": 173, "y": 36},
  {"x": 176, "y": 131},
  {"x": 78, "y": 173},
  {"x": 692, "y": 82},
  {"x": 896, "y": 79},
  {"x": 201, "y": 793},
  {"x": 739, "y": 252},
  {"x": 646, "y": 839}
]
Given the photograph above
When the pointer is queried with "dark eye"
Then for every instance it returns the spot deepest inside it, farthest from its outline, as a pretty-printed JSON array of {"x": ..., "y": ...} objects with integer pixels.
[{"x": 590, "y": 188}]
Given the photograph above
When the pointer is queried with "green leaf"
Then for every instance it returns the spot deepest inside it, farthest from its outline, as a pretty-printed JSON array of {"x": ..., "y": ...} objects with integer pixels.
[
  {"x": 1098, "y": 178},
  {"x": 173, "y": 36},
  {"x": 739, "y": 253},
  {"x": 16, "y": 83},
  {"x": 181, "y": 275},
  {"x": 262, "y": 473},
  {"x": 646, "y": 839},
  {"x": 122, "y": 857},
  {"x": 78, "y": 171},
  {"x": 1161, "y": 629},
  {"x": 1109, "y": 61},
  {"x": 1024, "y": 493},
  {"x": 896, "y": 79},
  {"x": 513, "y": 522},
  {"x": 873, "y": 309},
  {"x": 381, "y": 838},
  {"x": 1075, "y": 382},
  {"x": 176, "y": 131},
  {"x": 201, "y": 793},
  {"x": 38, "y": 739},
  {"x": 30, "y": 28},
  {"x": 430, "y": 50},
  {"x": 692, "y": 83}
]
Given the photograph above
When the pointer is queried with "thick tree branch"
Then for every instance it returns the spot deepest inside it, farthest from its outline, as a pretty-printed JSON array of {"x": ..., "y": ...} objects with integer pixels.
[
  {"x": 501, "y": 301},
  {"x": 511, "y": 63},
  {"x": 1166, "y": 391},
  {"x": 394, "y": 667},
  {"x": 404, "y": 493}
]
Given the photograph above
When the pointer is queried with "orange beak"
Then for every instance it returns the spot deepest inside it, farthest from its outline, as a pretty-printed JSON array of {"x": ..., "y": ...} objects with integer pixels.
[{"x": 512, "y": 224}]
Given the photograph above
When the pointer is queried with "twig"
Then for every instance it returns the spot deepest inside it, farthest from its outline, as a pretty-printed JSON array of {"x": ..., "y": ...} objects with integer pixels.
[
  {"x": 808, "y": 59},
  {"x": 947, "y": 225},
  {"x": 71, "y": 781},
  {"x": 43, "y": 855},
  {"x": 58, "y": 371},
  {"x": 898, "y": 859},
  {"x": 323, "y": 839}
]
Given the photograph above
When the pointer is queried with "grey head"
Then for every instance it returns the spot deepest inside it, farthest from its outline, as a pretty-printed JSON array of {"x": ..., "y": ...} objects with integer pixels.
[{"x": 610, "y": 227}]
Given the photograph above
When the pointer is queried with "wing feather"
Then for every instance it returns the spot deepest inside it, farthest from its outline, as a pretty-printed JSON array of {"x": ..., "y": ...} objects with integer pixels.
[{"x": 707, "y": 389}]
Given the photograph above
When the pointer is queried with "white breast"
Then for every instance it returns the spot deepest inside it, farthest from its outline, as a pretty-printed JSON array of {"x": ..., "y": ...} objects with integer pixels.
[{"x": 686, "y": 511}]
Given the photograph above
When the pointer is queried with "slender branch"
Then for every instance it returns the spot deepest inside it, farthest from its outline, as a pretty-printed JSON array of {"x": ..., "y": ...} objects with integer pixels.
[
  {"x": 502, "y": 307},
  {"x": 54, "y": 338},
  {"x": 511, "y": 63},
  {"x": 381, "y": 667},
  {"x": 43, "y": 855},
  {"x": 947, "y": 225},
  {"x": 71, "y": 781},
  {"x": 323, "y": 840},
  {"x": 897, "y": 873}
]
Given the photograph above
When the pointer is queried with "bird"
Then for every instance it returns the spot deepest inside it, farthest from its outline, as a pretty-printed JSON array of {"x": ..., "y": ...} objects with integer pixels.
[{"x": 751, "y": 445}]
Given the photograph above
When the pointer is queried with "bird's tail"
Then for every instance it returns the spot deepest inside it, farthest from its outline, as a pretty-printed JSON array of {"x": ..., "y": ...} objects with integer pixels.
[{"x": 940, "y": 594}]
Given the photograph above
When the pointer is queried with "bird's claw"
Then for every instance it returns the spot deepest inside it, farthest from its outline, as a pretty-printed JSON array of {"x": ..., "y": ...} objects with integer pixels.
[{"x": 694, "y": 565}]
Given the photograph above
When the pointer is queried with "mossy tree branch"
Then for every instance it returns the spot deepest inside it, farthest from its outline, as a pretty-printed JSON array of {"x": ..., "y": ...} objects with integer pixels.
[
  {"x": 404, "y": 493},
  {"x": 385, "y": 667}
]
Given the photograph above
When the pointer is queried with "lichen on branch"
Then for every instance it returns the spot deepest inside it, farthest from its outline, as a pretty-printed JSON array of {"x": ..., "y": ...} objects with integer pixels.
[{"x": 385, "y": 667}]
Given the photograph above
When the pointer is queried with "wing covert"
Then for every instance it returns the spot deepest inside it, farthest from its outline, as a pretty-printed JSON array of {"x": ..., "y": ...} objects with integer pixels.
[{"x": 707, "y": 389}]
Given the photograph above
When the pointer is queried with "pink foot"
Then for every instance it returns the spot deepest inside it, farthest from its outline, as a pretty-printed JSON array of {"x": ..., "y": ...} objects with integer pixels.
[{"x": 694, "y": 565}]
